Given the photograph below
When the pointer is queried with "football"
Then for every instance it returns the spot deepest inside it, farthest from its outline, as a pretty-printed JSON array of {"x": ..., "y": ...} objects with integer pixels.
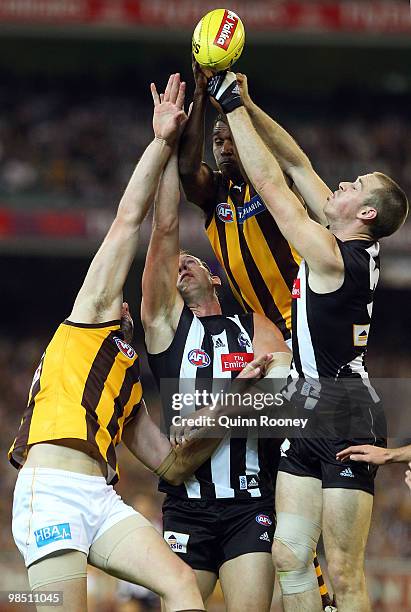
[{"x": 218, "y": 40}]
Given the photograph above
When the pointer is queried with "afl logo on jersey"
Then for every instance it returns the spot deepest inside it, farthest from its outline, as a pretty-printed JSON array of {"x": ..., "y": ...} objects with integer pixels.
[
  {"x": 224, "y": 212},
  {"x": 199, "y": 358},
  {"x": 124, "y": 348}
]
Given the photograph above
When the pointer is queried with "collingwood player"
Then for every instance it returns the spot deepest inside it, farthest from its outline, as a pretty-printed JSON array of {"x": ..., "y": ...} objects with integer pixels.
[
  {"x": 220, "y": 521},
  {"x": 260, "y": 263},
  {"x": 332, "y": 307},
  {"x": 86, "y": 398}
]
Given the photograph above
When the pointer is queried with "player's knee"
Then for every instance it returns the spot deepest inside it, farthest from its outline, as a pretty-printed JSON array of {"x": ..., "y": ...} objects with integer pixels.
[
  {"x": 295, "y": 541},
  {"x": 283, "y": 558},
  {"x": 185, "y": 582}
]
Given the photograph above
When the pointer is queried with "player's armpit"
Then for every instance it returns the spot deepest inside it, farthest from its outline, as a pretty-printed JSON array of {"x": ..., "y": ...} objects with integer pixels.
[{"x": 199, "y": 186}]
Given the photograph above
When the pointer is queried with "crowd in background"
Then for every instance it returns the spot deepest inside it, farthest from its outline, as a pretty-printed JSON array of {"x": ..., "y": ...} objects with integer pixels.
[{"x": 63, "y": 150}]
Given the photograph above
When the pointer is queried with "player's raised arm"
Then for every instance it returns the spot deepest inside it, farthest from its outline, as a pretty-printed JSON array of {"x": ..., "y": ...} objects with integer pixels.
[
  {"x": 162, "y": 304},
  {"x": 314, "y": 243},
  {"x": 196, "y": 176},
  {"x": 100, "y": 297},
  {"x": 291, "y": 158}
]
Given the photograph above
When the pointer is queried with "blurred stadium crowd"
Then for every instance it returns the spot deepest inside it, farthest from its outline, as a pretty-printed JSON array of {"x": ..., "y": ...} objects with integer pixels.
[{"x": 66, "y": 151}]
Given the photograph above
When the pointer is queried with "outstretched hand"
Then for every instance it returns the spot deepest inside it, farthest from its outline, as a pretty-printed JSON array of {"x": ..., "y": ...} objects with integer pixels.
[
  {"x": 169, "y": 116},
  {"x": 243, "y": 87},
  {"x": 365, "y": 452},
  {"x": 200, "y": 77}
]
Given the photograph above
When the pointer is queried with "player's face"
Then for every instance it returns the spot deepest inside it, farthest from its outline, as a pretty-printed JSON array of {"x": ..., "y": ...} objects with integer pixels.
[
  {"x": 225, "y": 153},
  {"x": 346, "y": 202},
  {"x": 193, "y": 276}
]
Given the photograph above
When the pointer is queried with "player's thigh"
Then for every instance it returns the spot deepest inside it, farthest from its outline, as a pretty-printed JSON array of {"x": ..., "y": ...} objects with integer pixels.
[
  {"x": 346, "y": 523},
  {"x": 64, "y": 572},
  {"x": 206, "y": 583},
  {"x": 248, "y": 582},
  {"x": 139, "y": 555},
  {"x": 298, "y": 495}
]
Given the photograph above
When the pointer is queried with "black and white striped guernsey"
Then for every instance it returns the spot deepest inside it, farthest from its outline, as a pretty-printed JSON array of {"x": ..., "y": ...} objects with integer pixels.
[
  {"x": 203, "y": 349},
  {"x": 331, "y": 330}
]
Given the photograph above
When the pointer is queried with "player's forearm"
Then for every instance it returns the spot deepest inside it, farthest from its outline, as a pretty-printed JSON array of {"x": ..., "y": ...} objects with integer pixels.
[
  {"x": 399, "y": 455},
  {"x": 189, "y": 458},
  {"x": 143, "y": 183},
  {"x": 165, "y": 218},
  {"x": 259, "y": 164},
  {"x": 278, "y": 140},
  {"x": 191, "y": 147}
]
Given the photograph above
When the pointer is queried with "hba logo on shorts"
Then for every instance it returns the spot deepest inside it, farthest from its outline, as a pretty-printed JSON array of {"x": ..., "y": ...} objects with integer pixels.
[
  {"x": 124, "y": 348},
  {"x": 199, "y": 358},
  {"x": 226, "y": 31},
  {"x": 263, "y": 519},
  {"x": 250, "y": 209},
  {"x": 224, "y": 212},
  {"x": 177, "y": 541},
  {"x": 53, "y": 533}
]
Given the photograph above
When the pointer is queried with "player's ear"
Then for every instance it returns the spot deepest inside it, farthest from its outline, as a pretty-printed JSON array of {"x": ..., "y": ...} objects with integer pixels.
[
  {"x": 367, "y": 213},
  {"x": 216, "y": 280}
]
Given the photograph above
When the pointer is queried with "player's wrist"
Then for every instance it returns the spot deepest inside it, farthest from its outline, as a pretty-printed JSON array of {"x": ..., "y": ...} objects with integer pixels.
[
  {"x": 224, "y": 89},
  {"x": 165, "y": 142}
]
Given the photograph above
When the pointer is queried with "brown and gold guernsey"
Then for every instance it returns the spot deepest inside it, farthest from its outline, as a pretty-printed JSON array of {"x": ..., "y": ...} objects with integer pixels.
[
  {"x": 260, "y": 264},
  {"x": 87, "y": 387}
]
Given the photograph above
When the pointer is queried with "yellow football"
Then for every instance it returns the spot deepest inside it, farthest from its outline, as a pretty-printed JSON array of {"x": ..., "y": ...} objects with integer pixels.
[{"x": 218, "y": 40}]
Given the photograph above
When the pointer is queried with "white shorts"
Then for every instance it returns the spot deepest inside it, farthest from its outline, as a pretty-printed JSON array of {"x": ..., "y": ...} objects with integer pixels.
[{"x": 56, "y": 510}]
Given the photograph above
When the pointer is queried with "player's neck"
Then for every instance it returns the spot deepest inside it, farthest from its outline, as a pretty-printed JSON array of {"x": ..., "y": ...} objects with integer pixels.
[
  {"x": 344, "y": 232},
  {"x": 204, "y": 307}
]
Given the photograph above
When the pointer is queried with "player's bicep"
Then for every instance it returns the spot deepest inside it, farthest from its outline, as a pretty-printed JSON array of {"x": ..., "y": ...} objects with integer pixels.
[
  {"x": 200, "y": 186},
  {"x": 100, "y": 296},
  {"x": 316, "y": 244},
  {"x": 267, "y": 337}
]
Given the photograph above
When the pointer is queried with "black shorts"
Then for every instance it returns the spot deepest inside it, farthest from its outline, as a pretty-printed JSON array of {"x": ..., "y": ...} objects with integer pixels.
[
  {"x": 206, "y": 534},
  {"x": 315, "y": 457}
]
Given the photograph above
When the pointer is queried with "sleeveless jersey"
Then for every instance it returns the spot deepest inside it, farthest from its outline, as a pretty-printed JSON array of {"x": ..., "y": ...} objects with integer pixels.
[
  {"x": 330, "y": 336},
  {"x": 86, "y": 387},
  {"x": 259, "y": 262},
  {"x": 203, "y": 349}
]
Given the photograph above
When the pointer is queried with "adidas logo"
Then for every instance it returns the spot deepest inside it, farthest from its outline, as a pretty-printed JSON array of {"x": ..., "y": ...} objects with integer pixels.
[
  {"x": 265, "y": 537},
  {"x": 236, "y": 90},
  {"x": 347, "y": 473},
  {"x": 253, "y": 483},
  {"x": 219, "y": 343}
]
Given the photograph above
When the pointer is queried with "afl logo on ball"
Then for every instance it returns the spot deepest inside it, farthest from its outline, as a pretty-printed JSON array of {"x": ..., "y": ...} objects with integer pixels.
[
  {"x": 263, "y": 519},
  {"x": 224, "y": 212},
  {"x": 199, "y": 358},
  {"x": 125, "y": 348}
]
